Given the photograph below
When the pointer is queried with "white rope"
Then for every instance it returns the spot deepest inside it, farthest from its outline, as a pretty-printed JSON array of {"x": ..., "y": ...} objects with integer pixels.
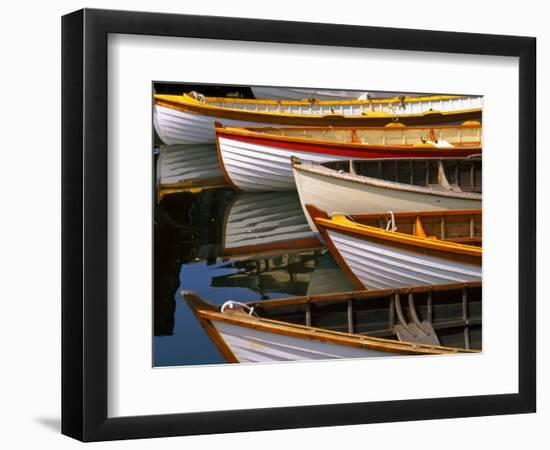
[
  {"x": 197, "y": 96},
  {"x": 390, "y": 226},
  {"x": 230, "y": 304}
]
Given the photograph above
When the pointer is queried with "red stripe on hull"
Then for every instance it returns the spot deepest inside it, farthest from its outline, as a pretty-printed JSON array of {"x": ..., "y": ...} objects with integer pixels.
[{"x": 364, "y": 152}]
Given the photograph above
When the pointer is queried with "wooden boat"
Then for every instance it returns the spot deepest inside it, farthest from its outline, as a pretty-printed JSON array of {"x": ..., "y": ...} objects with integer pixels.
[
  {"x": 287, "y": 93},
  {"x": 192, "y": 168},
  {"x": 189, "y": 118},
  {"x": 406, "y": 249},
  {"x": 258, "y": 159},
  {"x": 378, "y": 185},
  {"x": 424, "y": 320},
  {"x": 264, "y": 223}
]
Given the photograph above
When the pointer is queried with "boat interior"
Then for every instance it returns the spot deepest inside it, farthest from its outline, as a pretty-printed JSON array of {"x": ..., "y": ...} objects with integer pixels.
[
  {"x": 396, "y": 105},
  {"x": 447, "y": 315},
  {"x": 463, "y": 227},
  {"x": 454, "y": 174},
  {"x": 456, "y": 136},
  {"x": 458, "y": 226}
]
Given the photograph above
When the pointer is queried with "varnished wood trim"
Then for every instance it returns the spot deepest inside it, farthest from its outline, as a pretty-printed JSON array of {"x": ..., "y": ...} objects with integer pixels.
[
  {"x": 186, "y": 98},
  {"x": 363, "y": 295},
  {"x": 448, "y": 212},
  {"x": 428, "y": 117},
  {"x": 388, "y": 127},
  {"x": 197, "y": 306},
  {"x": 466, "y": 149},
  {"x": 444, "y": 249},
  {"x": 329, "y": 336}
]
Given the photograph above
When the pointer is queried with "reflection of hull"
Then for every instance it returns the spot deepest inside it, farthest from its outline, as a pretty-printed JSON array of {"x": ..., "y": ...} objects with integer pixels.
[
  {"x": 267, "y": 336},
  {"x": 333, "y": 191},
  {"x": 188, "y": 168},
  {"x": 376, "y": 258},
  {"x": 182, "y": 119},
  {"x": 259, "y": 159},
  {"x": 261, "y": 223}
]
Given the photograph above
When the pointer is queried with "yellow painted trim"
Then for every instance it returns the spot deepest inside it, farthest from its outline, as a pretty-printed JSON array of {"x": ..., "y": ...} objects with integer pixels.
[
  {"x": 254, "y": 132},
  {"x": 329, "y": 336},
  {"x": 384, "y": 128},
  {"x": 185, "y": 101},
  {"x": 342, "y": 223},
  {"x": 375, "y": 101}
]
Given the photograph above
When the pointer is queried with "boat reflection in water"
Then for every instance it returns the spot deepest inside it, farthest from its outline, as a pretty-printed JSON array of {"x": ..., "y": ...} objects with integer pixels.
[
  {"x": 222, "y": 244},
  {"x": 190, "y": 168}
]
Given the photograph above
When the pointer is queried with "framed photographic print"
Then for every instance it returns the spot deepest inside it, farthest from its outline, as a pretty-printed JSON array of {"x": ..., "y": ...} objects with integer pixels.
[{"x": 274, "y": 224}]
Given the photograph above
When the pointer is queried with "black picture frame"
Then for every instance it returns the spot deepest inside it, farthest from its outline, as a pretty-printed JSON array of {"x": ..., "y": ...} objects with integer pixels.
[{"x": 84, "y": 224}]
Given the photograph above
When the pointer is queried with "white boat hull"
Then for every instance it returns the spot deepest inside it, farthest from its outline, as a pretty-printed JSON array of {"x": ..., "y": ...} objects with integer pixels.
[
  {"x": 332, "y": 195},
  {"x": 255, "y": 167},
  {"x": 250, "y": 345},
  {"x": 379, "y": 266},
  {"x": 179, "y": 127}
]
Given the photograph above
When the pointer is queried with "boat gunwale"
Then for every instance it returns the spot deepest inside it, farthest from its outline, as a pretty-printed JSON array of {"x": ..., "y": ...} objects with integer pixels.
[
  {"x": 361, "y": 294},
  {"x": 389, "y": 127},
  {"x": 473, "y": 147},
  {"x": 329, "y": 336},
  {"x": 318, "y": 169},
  {"x": 342, "y": 224},
  {"x": 196, "y": 107},
  {"x": 428, "y": 213},
  {"x": 186, "y": 97}
]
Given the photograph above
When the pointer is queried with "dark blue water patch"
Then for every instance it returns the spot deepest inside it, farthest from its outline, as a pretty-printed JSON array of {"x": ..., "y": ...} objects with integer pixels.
[{"x": 189, "y": 344}]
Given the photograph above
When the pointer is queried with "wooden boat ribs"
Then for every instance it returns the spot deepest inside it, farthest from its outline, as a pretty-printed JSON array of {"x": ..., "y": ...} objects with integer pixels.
[
  {"x": 457, "y": 175},
  {"x": 448, "y": 315},
  {"x": 424, "y": 320}
]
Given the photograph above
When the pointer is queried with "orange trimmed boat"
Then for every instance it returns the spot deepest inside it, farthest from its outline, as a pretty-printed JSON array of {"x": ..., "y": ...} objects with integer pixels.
[
  {"x": 189, "y": 118},
  {"x": 404, "y": 249},
  {"x": 424, "y": 320},
  {"x": 258, "y": 159},
  {"x": 377, "y": 185}
]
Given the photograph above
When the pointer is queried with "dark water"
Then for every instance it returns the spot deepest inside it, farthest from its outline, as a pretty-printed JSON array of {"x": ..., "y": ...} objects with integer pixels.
[{"x": 189, "y": 230}]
